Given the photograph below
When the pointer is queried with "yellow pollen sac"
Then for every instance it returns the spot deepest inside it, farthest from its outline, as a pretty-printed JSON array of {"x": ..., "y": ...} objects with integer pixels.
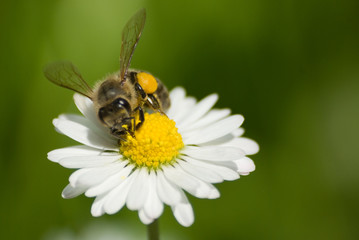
[
  {"x": 147, "y": 82},
  {"x": 155, "y": 143}
]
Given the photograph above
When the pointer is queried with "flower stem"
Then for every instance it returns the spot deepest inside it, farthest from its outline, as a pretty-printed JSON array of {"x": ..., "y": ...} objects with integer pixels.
[{"x": 152, "y": 231}]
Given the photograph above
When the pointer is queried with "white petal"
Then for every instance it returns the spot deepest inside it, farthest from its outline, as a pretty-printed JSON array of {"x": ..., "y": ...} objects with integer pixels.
[
  {"x": 180, "y": 178},
  {"x": 248, "y": 145},
  {"x": 116, "y": 199},
  {"x": 216, "y": 130},
  {"x": 177, "y": 91},
  {"x": 88, "y": 161},
  {"x": 103, "y": 132},
  {"x": 210, "y": 118},
  {"x": 73, "y": 151},
  {"x": 153, "y": 206},
  {"x": 245, "y": 165},
  {"x": 167, "y": 191},
  {"x": 94, "y": 176},
  {"x": 226, "y": 140},
  {"x": 214, "y": 153},
  {"x": 225, "y": 172},
  {"x": 185, "y": 108},
  {"x": 190, "y": 183},
  {"x": 228, "y": 164},
  {"x": 100, "y": 174},
  {"x": 110, "y": 183},
  {"x": 238, "y": 132},
  {"x": 207, "y": 190},
  {"x": 222, "y": 141},
  {"x": 183, "y": 212},
  {"x": 75, "y": 118},
  {"x": 84, "y": 134},
  {"x": 244, "y": 173},
  {"x": 214, "y": 192},
  {"x": 200, "y": 109},
  {"x": 85, "y": 105},
  {"x": 71, "y": 192},
  {"x": 204, "y": 174},
  {"x": 73, "y": 179},
  {"x": 177, "y": 95},
  {"x": 144, "y": 218},
  {"x": 137, "y": 195},
  {"x": 97, "y": 206}
]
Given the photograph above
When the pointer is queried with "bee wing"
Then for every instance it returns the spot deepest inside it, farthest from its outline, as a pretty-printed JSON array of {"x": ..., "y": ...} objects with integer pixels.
[
  {"x": 130, "y": 36},
  {"x": 66, "y": 75}
]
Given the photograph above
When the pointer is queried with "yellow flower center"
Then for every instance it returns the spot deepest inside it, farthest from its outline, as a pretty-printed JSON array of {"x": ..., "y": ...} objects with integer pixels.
[{"x": 156, "y": 142}]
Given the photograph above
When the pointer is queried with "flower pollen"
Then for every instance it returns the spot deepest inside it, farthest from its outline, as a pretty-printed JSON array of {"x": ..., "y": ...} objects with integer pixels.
[{"x": 156, "y": 142}]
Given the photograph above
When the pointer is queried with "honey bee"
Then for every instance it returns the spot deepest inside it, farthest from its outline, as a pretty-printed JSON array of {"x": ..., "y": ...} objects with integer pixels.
[{"x": 122, "y": 96}]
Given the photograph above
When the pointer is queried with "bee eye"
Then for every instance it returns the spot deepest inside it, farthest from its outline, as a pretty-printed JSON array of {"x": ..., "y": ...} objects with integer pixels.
[{"x": 121, "y": 103}]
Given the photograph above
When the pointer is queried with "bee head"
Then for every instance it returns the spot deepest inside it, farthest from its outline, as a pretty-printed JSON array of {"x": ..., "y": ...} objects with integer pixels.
[{"x": 116, "y": 116}]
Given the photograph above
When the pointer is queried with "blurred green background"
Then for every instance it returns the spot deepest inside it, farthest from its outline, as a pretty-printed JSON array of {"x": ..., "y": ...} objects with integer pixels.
[{"x": 290, "y": 67}]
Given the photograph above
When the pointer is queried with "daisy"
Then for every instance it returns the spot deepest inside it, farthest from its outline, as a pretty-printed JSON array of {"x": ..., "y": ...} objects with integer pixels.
[{"x": 192, "y": 148}]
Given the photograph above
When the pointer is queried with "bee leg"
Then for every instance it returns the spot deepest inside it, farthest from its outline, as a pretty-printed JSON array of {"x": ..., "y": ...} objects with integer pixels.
[
  {"x": 133, "y": 127},
  {"x": 140, "y": 90},
  {"x": 131, "y": 131},
  {"x": 154, "y": 104},
  {"x": 141, "y": 116}
]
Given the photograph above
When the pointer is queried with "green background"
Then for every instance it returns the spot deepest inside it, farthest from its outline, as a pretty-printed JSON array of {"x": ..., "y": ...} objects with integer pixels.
[{"x": 290, "y": 67}]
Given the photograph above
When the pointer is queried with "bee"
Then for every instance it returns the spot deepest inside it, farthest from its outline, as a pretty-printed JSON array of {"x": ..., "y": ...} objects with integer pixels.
[{"x": 122, "y": 96}]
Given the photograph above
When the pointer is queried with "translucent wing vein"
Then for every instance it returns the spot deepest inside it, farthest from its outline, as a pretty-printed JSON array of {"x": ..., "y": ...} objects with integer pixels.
[
  {"x": 66, "y": 75},
  {"x": 130, "y": 35}
]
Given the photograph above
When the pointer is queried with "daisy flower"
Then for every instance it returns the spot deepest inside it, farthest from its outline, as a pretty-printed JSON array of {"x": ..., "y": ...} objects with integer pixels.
[{"x": 192, "y": 148}]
